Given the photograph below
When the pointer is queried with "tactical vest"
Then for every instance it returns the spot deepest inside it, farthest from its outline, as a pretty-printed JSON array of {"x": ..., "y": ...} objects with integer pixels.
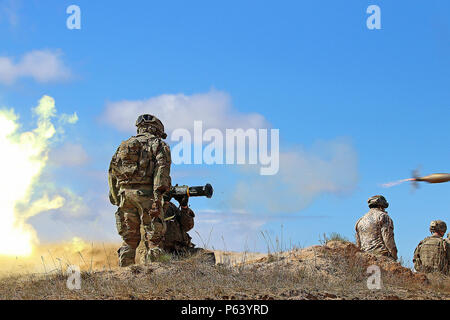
[
  {"x": 134, "y": 160},
  {"x": 432, "y": 255}
]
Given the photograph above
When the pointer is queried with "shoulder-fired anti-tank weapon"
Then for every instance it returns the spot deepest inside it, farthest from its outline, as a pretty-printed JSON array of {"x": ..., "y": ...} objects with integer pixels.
[
  {"x": 195, "y": 191},
  {"x": 183, "y": 193}
]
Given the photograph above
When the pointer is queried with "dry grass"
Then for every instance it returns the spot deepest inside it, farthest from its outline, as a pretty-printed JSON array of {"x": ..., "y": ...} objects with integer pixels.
[{"x": 335, "y": 270}]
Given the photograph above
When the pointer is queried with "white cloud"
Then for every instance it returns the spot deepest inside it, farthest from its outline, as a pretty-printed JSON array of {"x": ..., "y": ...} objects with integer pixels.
[
  {"x": 69, "y": 155},
  {"x": 176, "y": 111},
  {"x": 41, "y": 65},
  {"x": 330, "y": 167}
]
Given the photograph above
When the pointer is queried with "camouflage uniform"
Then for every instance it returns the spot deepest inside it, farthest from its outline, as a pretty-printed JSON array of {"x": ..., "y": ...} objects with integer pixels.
[
  {"x": 447, "y": 241},
  {"x": 139, "y": 174},
  {"x": 432, "y": 254},
  {"x": 375, "y": 230},
  {"x": 176, "y": 239}
]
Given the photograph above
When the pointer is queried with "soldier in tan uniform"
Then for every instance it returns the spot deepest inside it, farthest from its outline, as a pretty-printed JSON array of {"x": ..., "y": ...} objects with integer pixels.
[
  {"x": 432, "y": 254},
  {"x": 375, "y": 230},
  {"x": 139, "y": 175}
]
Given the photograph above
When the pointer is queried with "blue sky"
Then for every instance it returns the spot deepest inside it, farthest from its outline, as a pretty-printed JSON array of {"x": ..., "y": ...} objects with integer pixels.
[{"x": 312, "y": 69}]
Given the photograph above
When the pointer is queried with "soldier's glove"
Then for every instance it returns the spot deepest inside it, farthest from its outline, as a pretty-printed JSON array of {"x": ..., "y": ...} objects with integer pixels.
[{"x": 183, "y": 200}]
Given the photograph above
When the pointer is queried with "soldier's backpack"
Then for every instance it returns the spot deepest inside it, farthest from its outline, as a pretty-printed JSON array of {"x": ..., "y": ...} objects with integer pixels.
[
  {"x": 431, "y": 255},
  {"x": 133, "y": 161}
]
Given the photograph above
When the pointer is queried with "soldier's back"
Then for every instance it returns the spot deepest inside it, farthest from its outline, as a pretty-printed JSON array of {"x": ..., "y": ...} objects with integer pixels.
[
  {"x": 369, "y": 231},
  {"x": 133, "y": 161},
  {"x": 432, "y": 255}
]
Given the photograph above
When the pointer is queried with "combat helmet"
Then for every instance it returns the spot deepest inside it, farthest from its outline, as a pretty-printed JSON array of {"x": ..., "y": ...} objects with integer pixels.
[
  {"x": 438, "y": 226},
  {"x": 377, "y": 201},
  {"x": 153, "y": 122}
]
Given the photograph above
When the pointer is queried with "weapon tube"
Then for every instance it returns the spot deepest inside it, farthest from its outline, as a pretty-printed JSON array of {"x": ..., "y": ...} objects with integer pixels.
[{"x": 196, "y": 191}]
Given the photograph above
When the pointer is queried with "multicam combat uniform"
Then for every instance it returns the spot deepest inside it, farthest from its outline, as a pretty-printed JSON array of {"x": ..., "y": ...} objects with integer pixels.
[
  {"x": 375, "y": 233},
  {"x": 139, "y": 174},
  {"x": 432, "y": 255},
  {"x": 447, "y": 241},
  {"x": 176, "y": 238}
]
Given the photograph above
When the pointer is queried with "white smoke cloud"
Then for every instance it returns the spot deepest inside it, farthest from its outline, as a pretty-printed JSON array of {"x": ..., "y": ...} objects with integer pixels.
[
  {"x": 41, "y": 65},
  {"x": 180, "y": 111},
  {"x": 24, "y": 157},
  {"x": 68, "y": 118},
  {"x": 330, "y": 167},
  {"x": 74, "y": 206}
]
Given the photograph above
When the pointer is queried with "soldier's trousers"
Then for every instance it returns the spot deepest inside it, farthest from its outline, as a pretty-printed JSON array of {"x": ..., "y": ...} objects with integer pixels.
[{"x": 132, "y": 213}]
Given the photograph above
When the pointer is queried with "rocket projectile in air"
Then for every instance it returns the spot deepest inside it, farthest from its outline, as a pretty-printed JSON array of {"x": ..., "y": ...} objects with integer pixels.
[{"x": 434, "y": 178}]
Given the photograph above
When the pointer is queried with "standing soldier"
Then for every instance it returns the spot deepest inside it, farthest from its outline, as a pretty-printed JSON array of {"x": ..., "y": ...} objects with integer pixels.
[
  {"x": 432, "y": 253},
  {"x": 139, "y": 174},
  {"x": 375, "y": 230}
]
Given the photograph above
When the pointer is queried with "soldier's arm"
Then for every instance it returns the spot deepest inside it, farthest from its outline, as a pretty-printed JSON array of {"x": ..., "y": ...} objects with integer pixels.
[
  {"x": 187, "y": 219},
  {"x": 171, "y": 210},
  {"x": 387, "y": 232},
  {"x": 416, "y": 257},
  {"x": 447, "y": 242},
  {"x": 112, "y": 182},
  {"x": 358, "y": 240},
  {"x": 161, "y": 173}
]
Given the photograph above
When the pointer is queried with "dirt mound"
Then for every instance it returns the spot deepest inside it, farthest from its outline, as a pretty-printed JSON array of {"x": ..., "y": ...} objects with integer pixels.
[
  {"x": 351, "y": 251},
  {"x": 335, "y": 270},
  {"x": 338, "y": 261}
]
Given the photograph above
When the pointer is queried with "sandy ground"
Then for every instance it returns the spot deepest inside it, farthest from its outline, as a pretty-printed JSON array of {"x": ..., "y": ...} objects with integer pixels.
[{"x": 335, "y": 270}]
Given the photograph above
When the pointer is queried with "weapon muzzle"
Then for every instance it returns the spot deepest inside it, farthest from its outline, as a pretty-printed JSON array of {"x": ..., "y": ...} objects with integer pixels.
[
  {"x": 196, "y": 191},
  {"x": 201, "y": 191}
]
